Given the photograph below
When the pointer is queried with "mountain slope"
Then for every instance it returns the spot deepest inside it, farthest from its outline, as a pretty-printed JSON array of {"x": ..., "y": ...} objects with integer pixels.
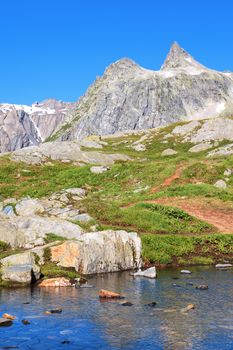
[
  {"x": 22, "y": 126},
  {"x": 129, "y": 97}
]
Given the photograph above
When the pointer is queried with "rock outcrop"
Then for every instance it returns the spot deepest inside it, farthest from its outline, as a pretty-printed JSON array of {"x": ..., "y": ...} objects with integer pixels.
[
  {"x": 98, "y": 252},
  {"x": 69, "y": 151},
  {"x": 129, "y": 97}
]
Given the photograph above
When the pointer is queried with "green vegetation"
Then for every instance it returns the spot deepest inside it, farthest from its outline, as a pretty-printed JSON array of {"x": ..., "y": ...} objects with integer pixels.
[
  {"x": 121, "y": 197},
  {"x": 51, "y": 237},
  {"x": 50, "y": 269},
  {"x": 187, "y": 250}
]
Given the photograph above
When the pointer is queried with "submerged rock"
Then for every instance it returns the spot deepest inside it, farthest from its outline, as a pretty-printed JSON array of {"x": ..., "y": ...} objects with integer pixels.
[
  {"x": 55, "y": 282},
  {"x": 26, "y": 322},
  {"x": 185, "y": 272},
  {"x": 9, "y": 317},
  {"x": 106, "y": 294},
  {"x": 188, "y": 308},
  {"x": 127, "y": 303},
  {"x": 202, "y": 287},
  {"x": 152, "y": 304},
  {"x": 148, "y": 273},
  {"x": 223, "y": 266}
]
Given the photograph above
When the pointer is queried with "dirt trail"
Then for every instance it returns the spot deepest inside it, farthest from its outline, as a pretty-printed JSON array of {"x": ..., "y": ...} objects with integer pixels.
[
  {"x": 169, "y": 180},
  {"x": 216, "y": 213}
]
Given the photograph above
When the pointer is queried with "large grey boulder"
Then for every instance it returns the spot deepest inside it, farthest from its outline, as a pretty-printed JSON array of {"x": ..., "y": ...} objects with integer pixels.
[
  {"x": 98, "y": 252},
  {"x": 17, "y": 274},
  {"x": 20, "y": 268},
  {"x": 148, "y": 273}
]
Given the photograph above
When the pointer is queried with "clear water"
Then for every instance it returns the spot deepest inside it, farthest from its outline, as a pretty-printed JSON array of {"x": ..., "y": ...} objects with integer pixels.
[{"x": 87, "y": 323}]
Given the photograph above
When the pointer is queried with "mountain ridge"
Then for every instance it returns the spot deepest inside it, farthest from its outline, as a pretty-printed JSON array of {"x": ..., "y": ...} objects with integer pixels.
[
  {"x": 126, "y": 97},
  {"x": 130, "y": 97}
]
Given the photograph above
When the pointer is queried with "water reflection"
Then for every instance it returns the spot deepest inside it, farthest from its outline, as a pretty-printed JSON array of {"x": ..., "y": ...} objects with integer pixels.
[{"x": 87, "y": 323}]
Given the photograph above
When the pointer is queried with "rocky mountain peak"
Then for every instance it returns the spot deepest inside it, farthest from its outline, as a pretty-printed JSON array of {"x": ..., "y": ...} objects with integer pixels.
[
  {"x": 179, "y": 58},
  {"x": 122, "y": 66}
]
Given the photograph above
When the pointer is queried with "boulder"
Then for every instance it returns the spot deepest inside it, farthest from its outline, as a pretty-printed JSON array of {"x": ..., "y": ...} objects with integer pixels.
[
  {"x": 168, "y": 152},
  {"x": 188, "y": 308},
  {"x": 90, "y": 144},
  {"x": 106, "y": 294},
  {"x": 228, "y": 172},
  {"x": 99, "y": 169},
  {"x": 223, "y": 266},
  {"x": 220, "y": 184},
  {"x": 185, "y": 272},
  {"x": 5, "y": 323},
  {"x": 200, "y": 147},
  {"x": 139, "y": 147},
  {"x": 76, "y": 192},
  {"x": 10, "y": 232},
  {"x": 20, "y": 268},
  {"x": 17, "y": 274},
  {"x": 149, "y": 273},
  {"x": 55, "y": 282},
  {"x": 98, "y": 252},
  {"x": 29, "y": 207},
  {"x": 83, "y": 217},
  {"x": 8, "y": 210},
  {"x": 9, "y": 317},
  {"x": 202, "y": 287}
]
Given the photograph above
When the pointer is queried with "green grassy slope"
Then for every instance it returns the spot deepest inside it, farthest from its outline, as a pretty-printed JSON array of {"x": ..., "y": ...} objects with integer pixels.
[{"x": 119, "y": 197}]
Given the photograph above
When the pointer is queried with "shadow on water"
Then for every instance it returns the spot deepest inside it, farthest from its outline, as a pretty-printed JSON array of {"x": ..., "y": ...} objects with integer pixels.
[{"x": 87, "y": 323}]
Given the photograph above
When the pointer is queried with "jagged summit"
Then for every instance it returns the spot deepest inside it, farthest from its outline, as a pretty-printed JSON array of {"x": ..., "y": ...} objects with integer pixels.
[
  {"x": 179, "y": 58},
  {"x": 124, "y": 65}
]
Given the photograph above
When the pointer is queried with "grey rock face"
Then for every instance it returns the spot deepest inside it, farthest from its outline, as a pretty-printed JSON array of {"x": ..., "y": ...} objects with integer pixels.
[
  {"x": 18, "y": 274},
  {"x": 22, "y": 126},
  {"x": 200, "y": 147},
  {"x": 129, "y": 97},
  {"x": 70, "y": 150},
  {"x": 99, "y": 252}
]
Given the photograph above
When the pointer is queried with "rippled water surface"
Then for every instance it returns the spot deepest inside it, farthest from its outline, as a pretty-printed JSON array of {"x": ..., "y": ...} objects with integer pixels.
[{"x": 87, "y": 323}]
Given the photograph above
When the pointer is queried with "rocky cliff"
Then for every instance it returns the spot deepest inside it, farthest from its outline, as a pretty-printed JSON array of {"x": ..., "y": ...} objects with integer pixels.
[
  {"x": 22, "y": 126},
  {"x": 129, "y": 97}
]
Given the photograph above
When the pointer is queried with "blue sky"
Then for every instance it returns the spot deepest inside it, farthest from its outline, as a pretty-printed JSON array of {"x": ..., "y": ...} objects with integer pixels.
[{"x": 56, "y": 48}]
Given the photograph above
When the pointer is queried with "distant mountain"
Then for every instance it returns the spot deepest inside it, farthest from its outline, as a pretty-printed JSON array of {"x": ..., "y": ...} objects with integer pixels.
[
  {"x": 22, "y": 126},
  {"x": 129, "y": 97}
]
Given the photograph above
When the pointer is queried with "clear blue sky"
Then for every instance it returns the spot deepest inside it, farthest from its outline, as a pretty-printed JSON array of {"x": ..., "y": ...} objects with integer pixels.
[{"x": 56, "y": 48}]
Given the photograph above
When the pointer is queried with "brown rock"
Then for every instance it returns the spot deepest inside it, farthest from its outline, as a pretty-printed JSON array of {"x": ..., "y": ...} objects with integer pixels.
[
  {"x": 55, "y": 282},
  {"x": 67, "y": 253},
  {"x": 8, "y": 317},
  {"x": 106, "y": 294},
  {"x": 188, "y": 308}
]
